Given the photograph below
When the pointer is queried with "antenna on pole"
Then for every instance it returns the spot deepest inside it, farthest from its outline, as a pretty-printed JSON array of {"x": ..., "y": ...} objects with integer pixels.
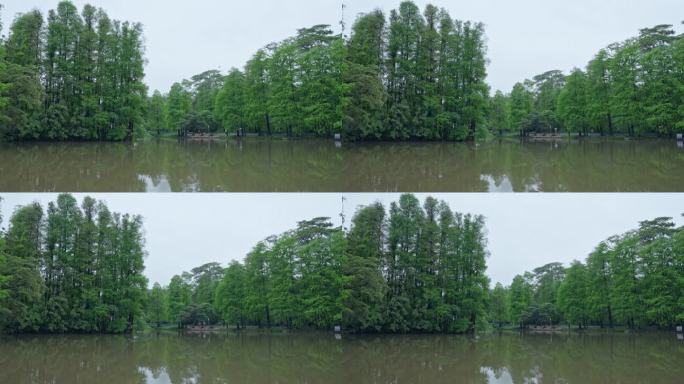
[
  {"x": 342, "y": 213},
  {"x": 343, "y": 24}
]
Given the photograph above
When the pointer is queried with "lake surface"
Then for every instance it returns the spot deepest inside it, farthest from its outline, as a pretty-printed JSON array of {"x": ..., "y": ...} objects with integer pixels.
[
  {"x": 321, "y": 358},
  {"x": 279, "y": 165}
]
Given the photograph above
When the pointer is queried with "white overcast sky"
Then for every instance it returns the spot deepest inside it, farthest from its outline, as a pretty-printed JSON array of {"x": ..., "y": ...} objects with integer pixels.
[
  {"x": 525, "y": 231},
  {"x": 526, "y": 37}
]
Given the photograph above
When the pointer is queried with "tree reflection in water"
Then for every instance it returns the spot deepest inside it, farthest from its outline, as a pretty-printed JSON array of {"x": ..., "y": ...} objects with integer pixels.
[
  {"x": 277, "y": 165},
  {"x": 318, "y": 357}
]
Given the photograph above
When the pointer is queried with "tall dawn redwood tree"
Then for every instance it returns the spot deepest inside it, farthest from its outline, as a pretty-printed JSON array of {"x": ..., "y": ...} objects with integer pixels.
[
  {"x": 72, "y": 76},
  {"x": 73, "y": 269},
  {"x": 419, "y": 269}
]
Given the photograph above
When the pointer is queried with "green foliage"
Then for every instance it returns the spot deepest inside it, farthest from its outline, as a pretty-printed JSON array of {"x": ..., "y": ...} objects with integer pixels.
[
  {"x": 533, "y": 296},
  {"x": 416, "y": 76},
  {"x": 157, "y": 309},
  {"x": 76, "y": 76},
  {"x": 572, "y": 295},
  {"x": 230, "y": 102},
  {"x": 366, "y": 287},
  {"x": 634, "y": 279},
  {"x": 22, "y": 92},
  {"x": 191, "y": 105},
  {"x": 572, "y": 103},
  {"x": 520, "y": 297},
  {"x": 304, "y": 83},
  {"x": 499, "y": 305},
  {"x": 634, "y": 87},
  {"x": 179, "y": 104},
  {"x": 547, "y": 280},
  {"x": 3, "y": 259},
  {"x": 534, "y": 103},
  {"x": 499, "y": 113},
  {"x": 521, "y": 105},
  {"x": 202, "y": 90},
  {"x": 190, "y": 298},
  {"x": 230, "y": 295},
  {"x": 73, "y": 269},
  {"x": 157, "y": 117},
  {"x": 20, "y": 310},
  {"x": 178, "y": 296},
  {"x": 198, "y": 314},
  {"x": 411, "y": 76},
  {"x": 205, "y": 279},
  {"x": 421, "y": 269}
]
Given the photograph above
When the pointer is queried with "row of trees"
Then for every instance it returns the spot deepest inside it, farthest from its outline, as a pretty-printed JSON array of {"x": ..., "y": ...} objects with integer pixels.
[
  {"x": 412, "y": 268},
  {"x": 72, "y": 76},
  {"x": 634, "y": 87},
  {"x": 634, "y": 279},
  {"x": 72, "y": 269},
  {"x": 416, "y": 269},
  {"x": 414, "y": 76},
  {"x": 422, "y": 76}
]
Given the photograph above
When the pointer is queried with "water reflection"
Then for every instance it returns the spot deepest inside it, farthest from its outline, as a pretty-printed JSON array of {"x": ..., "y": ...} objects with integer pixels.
[
  {"x": 321, "y": 358},
  {"x": 262, "y": 165}
]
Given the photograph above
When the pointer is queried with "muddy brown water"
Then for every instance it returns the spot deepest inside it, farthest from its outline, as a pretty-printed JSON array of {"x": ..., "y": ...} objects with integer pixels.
[
  {"x": 279, "y": 165},
  {"x": 322, "y": 358}
]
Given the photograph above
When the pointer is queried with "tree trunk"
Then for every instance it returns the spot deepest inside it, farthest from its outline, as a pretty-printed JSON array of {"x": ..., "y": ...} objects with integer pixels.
[
  {"x": 130, "y": 131},
  {"x": 268, "y": 124},
  {"x": 610, "y": 317},
  {"x": 610, "y": 123},
  {"x": 268, "y": 317}
]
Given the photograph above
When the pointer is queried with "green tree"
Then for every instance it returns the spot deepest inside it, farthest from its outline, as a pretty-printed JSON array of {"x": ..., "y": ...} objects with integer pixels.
[
  {"x": 204, "y": 88},
  {"x": 366, "y": 284},
  {"x": 3, "y": 259},
  {"x": 230, "y": 296},
  {"x": 599, "y": 93},
  {"x": 572, "y": 103},
  {"x": 73, "y": 269},
  {"x": 157, "y": 307},
  {"x": 21, "y": 267},
  {"x": 257, "y": 93},
  {"x": 179, "y": 107},
  {"x": 521, "y": 106},
  {"x": 365, "y": 97},
  {"x": 499, "y": 115},
  {"x": 422, "y": 269},
  {"x": 599, "y": 282},
  {"x": 230, "y": 103},
  {"x": 499, "y": 305},
  {"x": 521, "y": 292},
  {"x": 157, "y": 114},
  {"x": 72, "y": 76},
  {"x": 572, "y": 295},
  {"x": 20, "y": 114},
  {"x": 205, "y": 279},
  {"x": 179, "y": 295}
]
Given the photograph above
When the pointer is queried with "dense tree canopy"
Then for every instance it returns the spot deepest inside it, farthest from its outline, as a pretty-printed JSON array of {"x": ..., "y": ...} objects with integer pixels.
[
  {"x": 410, "y": 75},
  {"x": 414, "y": 269},
  {"x": 72, "y": 269},
  {"x": 634, "y": 279},
  {"x": 72, "y": 76},
  {"x": 422, "y": 76},
  {"x": 635, "y": 87}
]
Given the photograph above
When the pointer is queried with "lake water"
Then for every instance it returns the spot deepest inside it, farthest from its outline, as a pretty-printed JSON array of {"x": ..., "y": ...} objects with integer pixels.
[
  {"x": 279, "y": 165},
  {"x": 321, "y": 358}
]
